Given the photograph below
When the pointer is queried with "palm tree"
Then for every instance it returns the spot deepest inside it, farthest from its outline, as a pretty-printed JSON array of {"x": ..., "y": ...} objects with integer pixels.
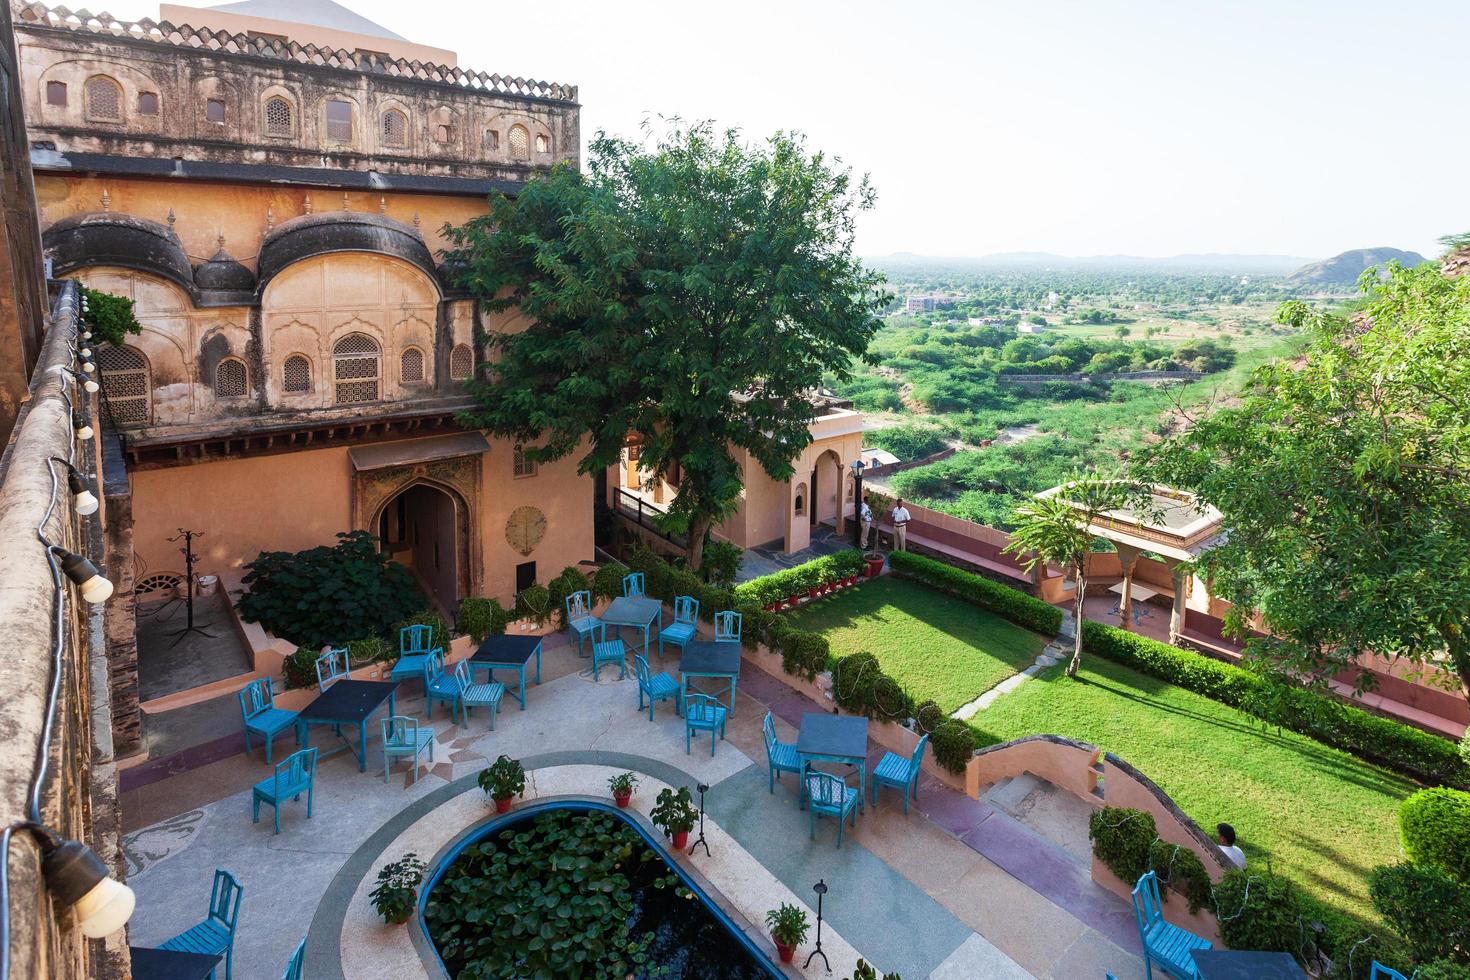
[{"x": 1055, "y": 529}]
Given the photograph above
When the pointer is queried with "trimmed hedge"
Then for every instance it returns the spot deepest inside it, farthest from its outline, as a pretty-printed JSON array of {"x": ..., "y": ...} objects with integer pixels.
[
  {"x": 1425, "y": 757},
  {"x": 1120, "y": 839},
  {"x": 1182, "y": 870},
  {"x": 1259, "y": 910},
  {"x": 1434, "y": 826},
  {"x": 770, "y": 589},
  {"x": 1430, "y": 909},
  {"x": 860, "y": 686},
  {"x": 1012, "y": 604},
  {"x": 481, "y": 617}
]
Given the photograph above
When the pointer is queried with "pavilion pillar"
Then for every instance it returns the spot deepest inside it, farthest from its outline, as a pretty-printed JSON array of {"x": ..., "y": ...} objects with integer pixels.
[
  {"x": 1182, "y": 579},
  {"x": 839, "y": 480},
  {"x": 1128, "y": 555}
]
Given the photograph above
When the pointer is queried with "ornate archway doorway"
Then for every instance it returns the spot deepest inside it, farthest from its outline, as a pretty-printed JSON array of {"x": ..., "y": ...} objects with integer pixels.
[{"x": 420, "y": 527}]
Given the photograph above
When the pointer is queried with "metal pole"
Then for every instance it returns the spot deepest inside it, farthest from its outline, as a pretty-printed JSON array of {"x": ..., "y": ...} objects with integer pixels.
[{"x": 857, "y": 509}]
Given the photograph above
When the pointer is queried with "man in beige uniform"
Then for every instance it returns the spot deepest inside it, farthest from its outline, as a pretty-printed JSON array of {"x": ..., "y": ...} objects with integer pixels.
[{"x": 900, "y": 526}]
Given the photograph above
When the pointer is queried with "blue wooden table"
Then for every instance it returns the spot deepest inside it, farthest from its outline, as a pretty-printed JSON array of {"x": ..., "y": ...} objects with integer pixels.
[
  {"x": 641, "y": 613},
  {"x": 508, "y": 652},
  {"x": 1238, "y": 964},
  {"x": 705, "y": 658},
  {"x": 834, "y": 738},
  {"x": 347, "y": 702},
  {"x": 149, "y": 963}
]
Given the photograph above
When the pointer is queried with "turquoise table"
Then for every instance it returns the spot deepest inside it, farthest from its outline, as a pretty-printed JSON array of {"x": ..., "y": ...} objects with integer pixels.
[
  {"x": 506, "y": 651},
  {"x": 705, "y": 658},
  {"x": 834, "y": 738},
  {"x": 641, "y": 613}
]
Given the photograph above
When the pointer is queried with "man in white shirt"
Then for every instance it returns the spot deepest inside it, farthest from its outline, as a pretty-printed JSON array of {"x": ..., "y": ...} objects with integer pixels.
[
  {"x": 867, "y": 518},
  {"x": 1226, "y": 835},
  {"x": 900, "y": 526}
]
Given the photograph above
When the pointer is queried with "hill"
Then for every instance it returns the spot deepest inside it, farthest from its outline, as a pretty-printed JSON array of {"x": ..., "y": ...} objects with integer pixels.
[
  {"x": 1345, "y": 269},
  {"x": 1219, "y": 263}
]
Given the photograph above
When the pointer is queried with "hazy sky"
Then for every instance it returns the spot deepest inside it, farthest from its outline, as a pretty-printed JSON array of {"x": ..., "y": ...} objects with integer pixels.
[{"x": 1081, "y": 127}]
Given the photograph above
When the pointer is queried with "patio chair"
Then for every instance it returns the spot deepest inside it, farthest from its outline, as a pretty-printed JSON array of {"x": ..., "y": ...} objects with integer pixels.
[
  {"x": 780, "y": 756},
  {"x": 1381, "y": 972},
  {"x": 703, "y": 713},
  {"x": 472, "y": 695},
  {"x": 294, "y": 775},
  {"x": 900, "y": 773},
  {"x": 331, "y": 667},
  {"x": 403, "y": 739},
  {"x": 684, "y": 626},
  {"x": 828, "y": 795},
  {"x": 656, "y": 687},
  {"x": 1164, "y": 944},
  {"x": 413, "y": 650},
  {"x": 609, "y": 652},
  {"x": 633, "y": 586},
  {"x": 297, "y": 961},
  {"x": 215, "y": 936},
  {"x": 440, "y": 686},
  {"x": 727, "y": 626},
  {"x": 580, "y": 619},
  {"x": 262, "y": 717}
]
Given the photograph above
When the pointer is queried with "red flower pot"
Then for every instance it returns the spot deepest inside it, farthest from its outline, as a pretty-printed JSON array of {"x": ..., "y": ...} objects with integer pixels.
[
  {"x": 787, "y": 953},
  {"x": 621, "y": 799},
  {"x": 811, "y": 593},
  {"x": 875, "y": 565},
  {"x": 850, "y": 580},
  {"x": 793, "y": 601},
  {"x": 503, "y": 806},
  {"x": 681, "y": 839}
]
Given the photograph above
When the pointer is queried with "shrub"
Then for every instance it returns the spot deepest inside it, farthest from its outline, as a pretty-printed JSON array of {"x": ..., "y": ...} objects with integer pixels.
[
  {"x": 1002, "y": 600},
  {"x": 1434, "y": 826},
  {"x": 327, "y": 594},
  {"x": 534, "y": 603},
  {"x": 788, "y": 582},
  {"x": 299, "y": 668},
  {"x": 1430, "y": 909},
  {"x": 1442, "y": 970},
  {"x": 954, "y": 745},
  {"x": 1389, "y": 743},
  {"x": 1120, "y": 839},
  {"x": 860, "y": 686},
  {"x": 438, "y": 637},
  {"x": 370, "y": 650},
  {"x": 1182, "y": 870},
  {"x": 607, "y": 582},
  {"x": 1259, "y": 910},
  {"x": 571, "y": 579},
  {"x": 1351, "y": 945},
  {"x": 722, "y": 563},
  {"x": 481, "y": 617},
  {"x": 110, "y": 317}
]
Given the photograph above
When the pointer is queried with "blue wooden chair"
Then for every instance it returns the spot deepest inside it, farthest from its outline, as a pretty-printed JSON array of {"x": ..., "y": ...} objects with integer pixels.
[
  {"x": 1381, "y": 972},
  {"x": 580, "y": 619},
  {"x": 900, "y": 773},
  {"x": 215, "y": 936},
  {"x": 331, "y": 667},
  {"x": 703, "y": 713},
  {"x": 262, "y": 717},
  {"x": 294, "y": 775},
  {"x": 472, "y": 695},
  {"x": 727, "y": 626},
  {"x": 633, "y": 585},
  {"x": 440, "y": 686},
  {"x": 780, "y": 756},
  {"x": 403, "y": 739},
  {"x": 684, "y": 626},
  {"x": 1163, "y": 944},
  {"x": 656, "y": 687},
  {"x": 413, "y": 649},
  {"x": 609, "y": 653},
  {"x": 297, "y": 962},
  {"x": 829, "y": 796}
]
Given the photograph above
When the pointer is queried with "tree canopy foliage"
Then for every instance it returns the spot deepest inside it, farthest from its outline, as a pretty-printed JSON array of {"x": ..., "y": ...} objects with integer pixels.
[
  {"x": 1344, "y": 479},
  {"x": 691, "y": 292}
]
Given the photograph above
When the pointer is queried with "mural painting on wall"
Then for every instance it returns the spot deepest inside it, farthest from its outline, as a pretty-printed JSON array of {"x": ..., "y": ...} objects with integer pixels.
[{"x": 525, "y": 529}]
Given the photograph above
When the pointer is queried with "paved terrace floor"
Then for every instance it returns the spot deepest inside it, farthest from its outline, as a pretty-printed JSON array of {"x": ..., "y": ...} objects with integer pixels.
[{"x": 955, "y": 889}]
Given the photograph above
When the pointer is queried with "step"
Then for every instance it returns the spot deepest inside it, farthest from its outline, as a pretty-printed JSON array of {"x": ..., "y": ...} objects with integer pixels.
[{"x": 1016, "y": 789}]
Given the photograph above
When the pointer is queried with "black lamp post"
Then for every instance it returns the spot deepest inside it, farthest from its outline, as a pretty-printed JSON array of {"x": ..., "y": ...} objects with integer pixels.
[
  {"x": 857, "y": 503},
  {"x": 821, "y": 889},
  {"x": 703, "y": 788}
]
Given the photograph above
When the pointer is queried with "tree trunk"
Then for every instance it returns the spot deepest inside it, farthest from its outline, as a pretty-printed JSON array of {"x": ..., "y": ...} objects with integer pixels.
[
  {"x": 698, "y": 525},
  {"x": 1077, "y": 622}
]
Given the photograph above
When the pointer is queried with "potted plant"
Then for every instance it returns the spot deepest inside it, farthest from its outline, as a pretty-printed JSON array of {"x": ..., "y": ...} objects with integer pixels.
[
  {"x": 674, "y": 814},
  {"x": 788, "y": 927},
  {"x": 503, "y": 779},
  {"x": 874, "y": 561},
  {"x": 622, "y": 787},
  {"x": 397, "y": 890}
]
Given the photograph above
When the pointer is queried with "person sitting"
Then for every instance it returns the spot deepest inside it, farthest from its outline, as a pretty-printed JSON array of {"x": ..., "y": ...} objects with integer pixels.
[{"x": 1226, "y": 835}]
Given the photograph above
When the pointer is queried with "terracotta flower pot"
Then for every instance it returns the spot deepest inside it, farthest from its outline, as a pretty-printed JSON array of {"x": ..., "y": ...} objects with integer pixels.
[
  {"x": 875, "y": 565},
  {"x": 787, "y": 953},
  {"x": 502, "y": 805},
  {"x": 681, "y": 839},
  {"x": 621, "y": 798},
  {"x": 812, "y": 592}
]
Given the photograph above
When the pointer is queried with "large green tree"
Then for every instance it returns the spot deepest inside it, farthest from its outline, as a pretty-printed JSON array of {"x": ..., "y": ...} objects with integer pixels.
[
  {"x": 1344, "y": 481},
  {"x": 691, "y": 291}
]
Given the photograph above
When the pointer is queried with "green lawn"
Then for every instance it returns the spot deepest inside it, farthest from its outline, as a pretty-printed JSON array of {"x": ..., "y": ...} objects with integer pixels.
[
  {"x": 935, "y": 646},
  {"x": 1321, "y": 816}
]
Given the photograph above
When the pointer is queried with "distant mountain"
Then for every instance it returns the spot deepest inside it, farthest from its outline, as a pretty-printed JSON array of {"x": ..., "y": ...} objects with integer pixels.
[
  {"x": 1344, "y": 269},
  {"x": 1219, "y": 263}
]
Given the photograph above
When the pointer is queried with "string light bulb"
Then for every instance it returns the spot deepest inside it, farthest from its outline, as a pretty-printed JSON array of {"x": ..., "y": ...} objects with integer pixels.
[
  {"x": 94, "y": 585},
  {"x": 77, "y": 879},
  {"x": 83, "y": 498},
  {"x": 84, "y": 430}
]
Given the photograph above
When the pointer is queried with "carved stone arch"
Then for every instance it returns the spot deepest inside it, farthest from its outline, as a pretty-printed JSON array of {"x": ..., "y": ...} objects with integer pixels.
[
  {"x": 457, "y": 477},
  {"x": 268, "y": 118},
  {"x": 386, "y": 131}
]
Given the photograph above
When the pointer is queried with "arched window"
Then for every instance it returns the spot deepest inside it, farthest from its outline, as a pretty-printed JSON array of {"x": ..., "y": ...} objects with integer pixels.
[
  {"x": 125, "y": 382},
  {"x": 147, "y": 103},
  {"x": 296, "y": 374},
  {"x": 356, "y": 362},
  {"x": 543, "y": 145},
  {"x": 278, "y": 116},
  {"x": 444, "y": 133},
  {"x": 801, "y": 500},
  {"x": 461, "y": 362},
  {"x": 339, "y": 120},
  {"x": 230, "y": 378},
  {"x": 104, "y": 99},
  {"x": 520, "y": 142},
  {"x": 395, "y": 128},
  {"x": 411, "y": 366}
]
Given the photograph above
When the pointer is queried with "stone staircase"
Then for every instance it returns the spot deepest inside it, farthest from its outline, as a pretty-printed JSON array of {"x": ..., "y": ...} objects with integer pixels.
[{"x": 1047, "y": 812}]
